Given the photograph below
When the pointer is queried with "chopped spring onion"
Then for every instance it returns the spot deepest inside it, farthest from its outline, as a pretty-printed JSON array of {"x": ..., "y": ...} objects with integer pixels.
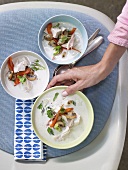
[{"x": 55, "y": 97}]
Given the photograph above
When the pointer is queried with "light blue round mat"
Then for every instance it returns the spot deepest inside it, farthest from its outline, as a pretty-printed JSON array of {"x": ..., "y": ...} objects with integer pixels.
[{"x": 19, "y": 31}]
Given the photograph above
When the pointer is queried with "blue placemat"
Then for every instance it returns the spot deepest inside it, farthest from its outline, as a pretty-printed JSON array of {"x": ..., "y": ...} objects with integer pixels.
[{"x": 19, "y": 31}]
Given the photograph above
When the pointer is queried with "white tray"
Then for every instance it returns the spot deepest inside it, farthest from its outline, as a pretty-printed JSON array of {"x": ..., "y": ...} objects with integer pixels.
[{"x": 105, "y": 151}]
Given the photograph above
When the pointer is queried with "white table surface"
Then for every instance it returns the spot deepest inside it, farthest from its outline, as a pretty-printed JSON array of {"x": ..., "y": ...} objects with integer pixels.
[{"x": 105, "y": 151}]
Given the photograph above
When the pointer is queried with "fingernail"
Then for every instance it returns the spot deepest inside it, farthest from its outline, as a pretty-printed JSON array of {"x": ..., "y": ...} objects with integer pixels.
[{"x": 64, "y": 94}]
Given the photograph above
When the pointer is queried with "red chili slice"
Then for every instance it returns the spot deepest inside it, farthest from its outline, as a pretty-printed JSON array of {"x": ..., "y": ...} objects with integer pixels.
[
  {"x": 72, "y": 31},
  {"x": 17, "y": 81},
  {"x": 49, "y": 26},
  {"x": 10, "y": 64},
  {"x": 27, "y": 71}
]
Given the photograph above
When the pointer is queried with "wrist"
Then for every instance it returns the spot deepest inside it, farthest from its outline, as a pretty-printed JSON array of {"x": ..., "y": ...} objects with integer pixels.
[
  {"x": 111, "y": 57},
  {"x": 105, "y": 69}
]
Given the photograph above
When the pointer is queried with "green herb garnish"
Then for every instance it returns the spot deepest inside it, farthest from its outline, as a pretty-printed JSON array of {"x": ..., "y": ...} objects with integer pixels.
[
  {"x": 63, "y": 39},
  {"x": 22, "y": 79},
  {"x": 37, "y": 61},
  {"x": 50, "y": 113},
  {"x": 57, "y": 127},
  {"x": 57, "y": 25},
  {"x": 40, "y": 106},
  {"x": 37, "y": 66},
  {"x": 55, "y": 96},
  {"x": 50, "y": 131},
  {"x": 57, "y": 50},
  {"x": 74, "y": 103},
  {"x": 62, "y": 110}
]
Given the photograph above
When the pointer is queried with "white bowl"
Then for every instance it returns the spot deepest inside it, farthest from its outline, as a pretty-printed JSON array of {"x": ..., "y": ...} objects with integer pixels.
[
  {"x": 68, "y": 22},
  {"x": 38, "y": 86}
]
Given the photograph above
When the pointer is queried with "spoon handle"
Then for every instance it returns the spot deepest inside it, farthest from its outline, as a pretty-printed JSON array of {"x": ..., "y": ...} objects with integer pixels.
[
  {"x": 94, "y": 44},
  {"x": 91, "y": 38}
]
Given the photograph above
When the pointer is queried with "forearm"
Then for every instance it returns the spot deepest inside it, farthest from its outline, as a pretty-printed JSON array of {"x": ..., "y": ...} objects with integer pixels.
[{"x": 110, "y": 58}]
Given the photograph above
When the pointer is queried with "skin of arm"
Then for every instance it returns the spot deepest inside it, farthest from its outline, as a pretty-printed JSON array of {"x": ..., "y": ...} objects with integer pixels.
[
  {"x": 110, "y": 58},
  {"x": 88, "y": 76}
]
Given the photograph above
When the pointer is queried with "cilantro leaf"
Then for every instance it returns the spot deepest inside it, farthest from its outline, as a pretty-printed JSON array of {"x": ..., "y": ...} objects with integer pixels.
[
  {"x": 74, "y": 103},
  {"x": 40, "y": 106},
  {"x": 62, "y": 110},
  {"x": 50, "y": 131},
  {"x": 50, "y": 113},
  {"x": 37, "y": 61}
]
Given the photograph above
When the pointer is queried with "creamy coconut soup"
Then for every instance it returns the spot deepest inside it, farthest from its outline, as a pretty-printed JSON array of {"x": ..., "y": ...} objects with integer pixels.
[
  {"x": 59, "y": 118},
  {"x": 62, "y": 41},
  {"x": 59, "y": 121},
  {"x": 23, "y": 72}
]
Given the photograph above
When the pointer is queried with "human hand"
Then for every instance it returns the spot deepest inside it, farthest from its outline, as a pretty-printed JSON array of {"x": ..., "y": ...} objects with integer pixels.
[
  {"x": 88, "y": 76},
  {"x": 84, "y": 77}
]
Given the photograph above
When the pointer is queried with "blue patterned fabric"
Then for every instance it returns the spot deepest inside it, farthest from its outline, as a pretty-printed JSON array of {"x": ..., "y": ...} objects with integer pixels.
[
  {"x": 19, "y": 31},
  {"x": 27, "y": 145}
]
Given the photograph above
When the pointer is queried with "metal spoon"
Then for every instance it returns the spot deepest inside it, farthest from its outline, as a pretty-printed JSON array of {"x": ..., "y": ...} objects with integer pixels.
[
  {"x": 93, "y": 36},
  {"x": 92, "y": 46}
]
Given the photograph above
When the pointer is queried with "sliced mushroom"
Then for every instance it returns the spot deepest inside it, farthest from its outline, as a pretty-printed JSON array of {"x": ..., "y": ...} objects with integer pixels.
[
  {"x": 64, "y": 54},
  {"x": 58, "y": 126},
  {"x": 66, "y": 33},
  {"x": 62, "y": 39},
  {"x": 31, "y": 77},
  {"x": 11, "y": 75},
  {"x": 62, "y": 36},
  {"x": 70, "y": 102},
  {"x": 48, "y": 37},
  {"x": 32, "y": 72},
  {"x": 52, "y": 43},
  {"x": 60, "y": 123},
  {"x": 73, "y": 116}
]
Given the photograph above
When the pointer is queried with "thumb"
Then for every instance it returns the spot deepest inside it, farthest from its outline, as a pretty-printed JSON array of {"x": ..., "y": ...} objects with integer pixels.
[{"x": 71, "y": 89}]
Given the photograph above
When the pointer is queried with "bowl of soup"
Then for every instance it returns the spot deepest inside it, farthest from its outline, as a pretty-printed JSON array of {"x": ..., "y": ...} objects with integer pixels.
[
  {"x": 62, "y": 39},
  {"x": 62, "y": 122},
  {"x": 24, "y": 75}
]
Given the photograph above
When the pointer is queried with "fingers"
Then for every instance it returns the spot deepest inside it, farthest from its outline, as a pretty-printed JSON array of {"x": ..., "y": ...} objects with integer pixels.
[
  {"x": 72, "y": 89},
  {"x": 63, "y": 79},
  {"x": 60, "y": 78},
  {"x": 54, "y": 81},
  {"x": 65, "y": 83}
]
